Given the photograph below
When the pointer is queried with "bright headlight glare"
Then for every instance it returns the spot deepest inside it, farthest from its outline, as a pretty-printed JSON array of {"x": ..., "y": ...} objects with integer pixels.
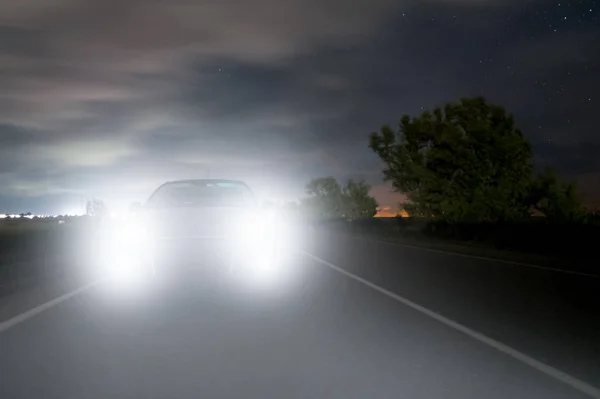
[
  {"x": 123, "y": 251},
  {"x": 263, "y": 241},
  {"x": 131, "y": 231}
]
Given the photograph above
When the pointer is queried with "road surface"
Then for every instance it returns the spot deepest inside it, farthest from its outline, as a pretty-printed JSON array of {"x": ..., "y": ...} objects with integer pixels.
[{"x": 321, "y": 334}]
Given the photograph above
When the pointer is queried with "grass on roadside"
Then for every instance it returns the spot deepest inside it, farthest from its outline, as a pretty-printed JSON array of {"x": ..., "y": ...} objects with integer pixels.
[{"x": 524, "y": 247}]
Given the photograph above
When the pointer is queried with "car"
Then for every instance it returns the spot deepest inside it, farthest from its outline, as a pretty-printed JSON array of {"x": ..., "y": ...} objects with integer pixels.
[{"x": 200, "y": 226}]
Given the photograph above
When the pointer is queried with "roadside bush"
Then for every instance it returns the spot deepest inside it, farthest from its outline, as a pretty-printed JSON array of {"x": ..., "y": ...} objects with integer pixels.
[{"x": 537, "y": 235}]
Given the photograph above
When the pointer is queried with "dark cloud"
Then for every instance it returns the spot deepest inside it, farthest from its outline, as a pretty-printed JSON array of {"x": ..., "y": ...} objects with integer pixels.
[{"x": 109, "y": 98}]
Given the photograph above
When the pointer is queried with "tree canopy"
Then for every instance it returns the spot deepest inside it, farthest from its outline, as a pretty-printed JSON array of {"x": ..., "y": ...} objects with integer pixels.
[
  {"x": 464, "y": 162},
  {"x": 555, "y": 199},
  {"x": 357, "y": 202},
  {"x": 95, "y": 207},
  {"x": 328, "y": 199}
]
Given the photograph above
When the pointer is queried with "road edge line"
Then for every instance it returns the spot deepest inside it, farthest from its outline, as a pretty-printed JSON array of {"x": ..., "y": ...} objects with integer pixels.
[
  {"x": 550, "y": 371},
  {"x": 20, "y": 318},
  {"x": 510, "y": 262}
]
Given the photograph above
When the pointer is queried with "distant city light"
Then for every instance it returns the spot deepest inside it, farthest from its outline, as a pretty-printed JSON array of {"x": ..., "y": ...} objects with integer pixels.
[{"x": 40, "y": 216}]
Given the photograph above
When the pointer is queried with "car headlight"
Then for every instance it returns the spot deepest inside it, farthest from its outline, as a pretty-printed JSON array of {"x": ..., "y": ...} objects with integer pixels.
[{"x": 131, "y": 231}]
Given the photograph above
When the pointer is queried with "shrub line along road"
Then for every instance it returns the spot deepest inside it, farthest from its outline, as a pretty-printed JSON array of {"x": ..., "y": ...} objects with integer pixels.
[
  {"x": 485, "y": 258},
  {"x": 445, "y": 326}
]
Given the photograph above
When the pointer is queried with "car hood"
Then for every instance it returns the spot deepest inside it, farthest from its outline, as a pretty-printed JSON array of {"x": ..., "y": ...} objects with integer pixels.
[{"x": 204, "y": 222}]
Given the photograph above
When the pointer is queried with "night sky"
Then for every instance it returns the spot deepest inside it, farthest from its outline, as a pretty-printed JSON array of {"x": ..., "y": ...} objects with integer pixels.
[{"x": 111, "y": 98}]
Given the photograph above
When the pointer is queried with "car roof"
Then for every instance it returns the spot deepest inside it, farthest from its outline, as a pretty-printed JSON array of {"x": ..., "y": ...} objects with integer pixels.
[
  {"x": 204, "y": 181},
  {"x": 201, "y": 181}
]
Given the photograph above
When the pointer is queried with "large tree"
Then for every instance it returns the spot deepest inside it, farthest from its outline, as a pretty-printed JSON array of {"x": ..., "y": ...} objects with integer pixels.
[
  {"x": 464, "y": 162},
  {"x": 557, "y": 200},
  {"x": 357, "y": 201},
  {"x": 328, "y": 199},
  {"x": 95, "y": 207},
  {"x": 324, "y": 198}
]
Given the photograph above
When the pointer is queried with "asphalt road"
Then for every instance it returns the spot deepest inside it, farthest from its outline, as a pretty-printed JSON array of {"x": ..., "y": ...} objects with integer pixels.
[{"x": 318, "y": 333}]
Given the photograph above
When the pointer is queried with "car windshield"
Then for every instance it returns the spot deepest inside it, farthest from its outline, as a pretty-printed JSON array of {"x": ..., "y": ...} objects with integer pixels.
[{"x": 202, "y": 193}]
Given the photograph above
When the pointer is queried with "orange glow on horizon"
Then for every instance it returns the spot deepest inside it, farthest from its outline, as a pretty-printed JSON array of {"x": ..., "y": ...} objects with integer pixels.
[{"x": 388, "y": 212}]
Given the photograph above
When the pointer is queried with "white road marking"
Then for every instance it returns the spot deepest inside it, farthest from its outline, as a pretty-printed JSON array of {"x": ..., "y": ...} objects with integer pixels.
[
  {"x": 536, "y": 364},
  {"x": 5, "y": 325},
  {"x": 510, "y": 262}
]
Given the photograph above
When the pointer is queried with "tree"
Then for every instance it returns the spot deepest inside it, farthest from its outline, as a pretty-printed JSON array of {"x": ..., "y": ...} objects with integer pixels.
[
  {"x": 555, "y": 199},
  {"x": 89, "y": 208},
  {"x": 328, "y": 199},
  {"x": 325, "y": 198},
  {"x": 465, "y": 162},
  {"x": 357, "y": 201},
  {"x": 95, "y": 207}
]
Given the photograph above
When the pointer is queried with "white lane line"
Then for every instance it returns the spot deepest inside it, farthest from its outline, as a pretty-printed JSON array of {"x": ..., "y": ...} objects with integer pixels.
[
  {"x": 536, "y": 364},
  {"x": 510, "y": 262},
  {"x": 5, "y": 325}
]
